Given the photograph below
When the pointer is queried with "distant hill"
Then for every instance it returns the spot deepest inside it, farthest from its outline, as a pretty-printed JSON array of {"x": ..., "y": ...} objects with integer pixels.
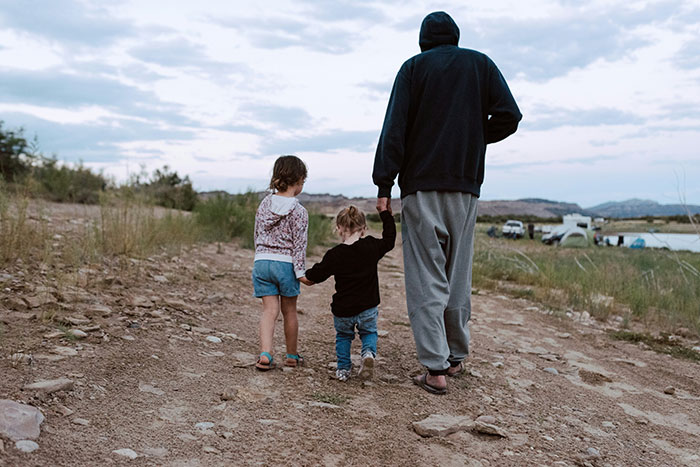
[
  {"x": 528, "y": 207},
  {"x": 641, "y": 208}
]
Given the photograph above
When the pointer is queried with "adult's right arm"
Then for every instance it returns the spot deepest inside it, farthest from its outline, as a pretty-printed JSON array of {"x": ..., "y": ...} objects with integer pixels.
[
  {"x": 391, "y": 146},
  {"x": 502, "y": 109}
]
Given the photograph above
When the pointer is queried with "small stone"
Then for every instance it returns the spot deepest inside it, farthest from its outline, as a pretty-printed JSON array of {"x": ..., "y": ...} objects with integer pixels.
[
  {"x": 229, "y": 394},
  {"x": 227, "y": 435},
  {"x": 441, "y": 425},
  {"x": 696, "y": 348},
  {"x": 324, "y": 405},
  {"x": 155, "y": 452},
  {"x": 50, "y": 386},
  {"x": 161, "y": 279},
  {"x": 553, "y": 371},
  {"x": 608, "y": 424},
  {"x": 669, "y": 390},
  {"x": 548, "y": 438},
  {"x": 129, "y": 453},
  {"x": 382, "y": 333},
  {"x": 475, "y": 373},
  {"x": 202, "y": 330},
  {"x": 486, "y": 424},
  {"x": 150, "y": 389},
  {"x": 243, "y": 359},
  {"x": 213, "y": 354},
  {"x": 77, "y": 333},
  {"x": 213, "y": 339},
  {"x": 80, "y": 421},
  {"x": 176, "y": 304},
  {"x": 19, "y": 421},
  {"x": 128, "y": 337},
  {"x": 211, "y": 450},
  {"x": 98, "y": 309},
  {"x": 497, "y": 364},
  {"x": 42, "y": 299},
  {"x": 63, "y": 410},
  {"x": 141, "y": 301},
  {"x": 204, "y": 425},
  {"x": 64, "y": 351},
  {"x": 54, "y": 334},
  {"x": 593, "y": 452},
  {"x": 26, "y": 446},
  {"x": 563, "y": 335}
]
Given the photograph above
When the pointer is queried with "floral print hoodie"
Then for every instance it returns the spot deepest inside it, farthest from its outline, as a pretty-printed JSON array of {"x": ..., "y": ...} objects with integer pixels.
[{"x": 281, "y": 226}]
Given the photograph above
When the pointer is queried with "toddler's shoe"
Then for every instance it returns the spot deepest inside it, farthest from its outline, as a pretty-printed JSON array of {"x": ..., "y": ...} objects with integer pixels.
[
  {"x": 367, "y": 367},
  {"x": 342, "y": 375}
]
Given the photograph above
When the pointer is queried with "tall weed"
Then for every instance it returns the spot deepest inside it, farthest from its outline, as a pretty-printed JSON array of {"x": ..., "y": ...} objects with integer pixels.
[{"x": 20, "y": 235}]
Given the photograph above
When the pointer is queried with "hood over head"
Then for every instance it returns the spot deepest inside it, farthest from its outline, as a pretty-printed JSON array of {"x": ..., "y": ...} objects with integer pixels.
[{"x": 438, "y": 28}]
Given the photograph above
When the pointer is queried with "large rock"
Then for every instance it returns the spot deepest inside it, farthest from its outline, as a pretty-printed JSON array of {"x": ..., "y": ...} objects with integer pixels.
[
  {"x": 50, "y": 386},
  {"x": 486, "y": 424},
  {"x": 442, "y": 425},
  {"x": 19, "y": 421}
]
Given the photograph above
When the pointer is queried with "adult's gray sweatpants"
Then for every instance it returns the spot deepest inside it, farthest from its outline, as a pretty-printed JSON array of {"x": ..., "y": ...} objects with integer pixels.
[{"x": 437, "y": 230}]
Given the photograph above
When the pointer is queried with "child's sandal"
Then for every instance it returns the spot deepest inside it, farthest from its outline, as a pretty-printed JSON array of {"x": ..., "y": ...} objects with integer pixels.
[
  {"x": 264, "y": 366},
  {"x": 294, "y": 360}
]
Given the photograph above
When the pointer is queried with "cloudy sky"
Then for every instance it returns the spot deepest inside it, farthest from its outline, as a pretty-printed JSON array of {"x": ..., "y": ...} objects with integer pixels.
[{"x": 610, "y": 90}]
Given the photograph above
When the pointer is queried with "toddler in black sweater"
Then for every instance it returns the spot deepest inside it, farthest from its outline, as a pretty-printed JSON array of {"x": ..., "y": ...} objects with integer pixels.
[{"x": 354, "y": 305}]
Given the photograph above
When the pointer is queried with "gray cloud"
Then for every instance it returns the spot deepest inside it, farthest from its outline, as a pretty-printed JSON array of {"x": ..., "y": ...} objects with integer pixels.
[
  {"x": 343, "y": 10},
  {"x": 52, "y": 88},
  {"x": 91, "y": 142},
  {"x": 330, "y": 141},
  {"x": 546, "y": 118},
  {"x": 688, "y": 58},
  {"x": 560, "y": 162},
  {"x": 280, "y": 33},
  {"x": 182, "y": 53},
  {"x": 65, "y": 20}
]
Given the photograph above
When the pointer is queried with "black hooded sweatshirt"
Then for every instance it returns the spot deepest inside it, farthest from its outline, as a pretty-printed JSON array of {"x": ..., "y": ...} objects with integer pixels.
[{"x": 446, "y": 105}]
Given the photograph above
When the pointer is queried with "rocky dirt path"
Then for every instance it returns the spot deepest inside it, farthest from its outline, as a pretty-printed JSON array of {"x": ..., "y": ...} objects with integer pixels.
[{"x": 162, "y": 374}]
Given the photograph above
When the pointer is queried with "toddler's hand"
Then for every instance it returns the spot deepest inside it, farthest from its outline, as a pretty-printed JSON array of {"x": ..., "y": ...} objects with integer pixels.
[{"x": 305, "y": 281}]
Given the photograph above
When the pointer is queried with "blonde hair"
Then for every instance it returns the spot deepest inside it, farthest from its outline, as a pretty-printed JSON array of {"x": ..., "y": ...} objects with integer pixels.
[
  {"x": 287, "y": 171},
  {"x": 351, "y": 219}
]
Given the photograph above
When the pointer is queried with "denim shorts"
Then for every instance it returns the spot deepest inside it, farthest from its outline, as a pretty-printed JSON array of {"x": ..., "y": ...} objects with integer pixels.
[{"x": 274, "y": 278}]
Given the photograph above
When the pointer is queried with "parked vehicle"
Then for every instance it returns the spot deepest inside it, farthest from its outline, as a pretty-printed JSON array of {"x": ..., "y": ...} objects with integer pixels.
[{"x": 513, "y": 229}]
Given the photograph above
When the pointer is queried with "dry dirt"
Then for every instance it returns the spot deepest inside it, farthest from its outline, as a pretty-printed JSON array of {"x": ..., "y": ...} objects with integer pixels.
[{"x": 146, "y": 375}]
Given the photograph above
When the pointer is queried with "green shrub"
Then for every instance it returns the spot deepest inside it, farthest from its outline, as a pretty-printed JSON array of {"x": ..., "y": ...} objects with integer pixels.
[
  {"x": 16, "y": 155},
  {"x": 166, "y": 189},
  {"x": 69, "y": 184}
]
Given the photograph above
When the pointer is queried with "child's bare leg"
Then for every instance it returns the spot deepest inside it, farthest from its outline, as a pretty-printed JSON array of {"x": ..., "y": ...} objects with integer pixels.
[
  {"x": 291, "y": 323},
  {"x": 271, "y": 309}
]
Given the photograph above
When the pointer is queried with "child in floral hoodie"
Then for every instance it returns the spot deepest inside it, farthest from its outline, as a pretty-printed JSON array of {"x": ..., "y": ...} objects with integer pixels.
[{"x": 281, "y": 225}]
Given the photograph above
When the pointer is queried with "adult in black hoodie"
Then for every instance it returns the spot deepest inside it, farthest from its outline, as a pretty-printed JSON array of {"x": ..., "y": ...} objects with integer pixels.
[{"x": 446, "y": 105}]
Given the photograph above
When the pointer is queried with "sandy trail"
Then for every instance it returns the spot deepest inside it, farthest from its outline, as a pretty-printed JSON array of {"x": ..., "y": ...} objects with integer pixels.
[{"x": 149, "y": 380}]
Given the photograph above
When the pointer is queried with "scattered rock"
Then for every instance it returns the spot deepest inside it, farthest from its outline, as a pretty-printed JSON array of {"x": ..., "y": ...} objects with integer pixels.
[
  {"x": 324, "y": 405},
  {"x": 608, "y": 424},
  {"x": 669, "y": 390},
  {"x": 77, "y": 333},
  {"x": 98, "y": 309},
  {"x": 21, "y": 358},
  {"x": 150, "y": 389},
  {"x": 593, "y": 452},
  {"x": 161, "y": 279},
  {"x": 19, "y": 421},
  {"x": 77, "y": 320},
  {"x": 382, "y": 333},
  {"x": 176, "y": 304},
  {"x": 2, "y": 446},
  {"x": 50, "y": 386},
  {"x": 591, "y": 377},
  {"x": 548, "y": 438},
  {"x": 243, "y": 359},
  {"x": 26, "y": 446},
  {"x": 497, "y": 364},
  {"x": 54, "y": 334},
  {"x": 128, "y": 337},
  {"x": 202, "y": 330},
  {"x": 442, "y": 425},
  {"x": 141, "y": 301},
  {"x": 563, "y": 335},
  {"x": 41, "y": 299},
  {"x": 553, "y": 371},
  {"x": 63, "y": 410},
  {"x": 64, "y": 351},
  {"x": 486, "y": 424},
  {"x": 80, "y": 421},
  {"x": 475, "y": 373},
  {"x": 211, "y": 450},
  {"x": 207, "y": 353},
  {"x": 129, "y": 453},
  {"x": 204, "y": 425},
  {"x": 155, "y": 452},
  {"x": 213, "y": 339}
]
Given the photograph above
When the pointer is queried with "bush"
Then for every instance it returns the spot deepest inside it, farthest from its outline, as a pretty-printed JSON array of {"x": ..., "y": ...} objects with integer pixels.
[
  {"x": 16, "y": 155},
  {"x": 167, "y": 189},
  {"x": 69, "y": 184},
  {"x": 224, "y": 217}
]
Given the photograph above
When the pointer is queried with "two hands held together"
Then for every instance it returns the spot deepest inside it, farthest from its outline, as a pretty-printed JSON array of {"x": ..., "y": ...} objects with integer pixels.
[{"x": 305, "y": 281}]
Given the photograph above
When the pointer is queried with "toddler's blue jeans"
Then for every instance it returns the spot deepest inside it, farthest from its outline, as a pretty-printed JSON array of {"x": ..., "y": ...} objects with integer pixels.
[{"x": 366, "y": 323}]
